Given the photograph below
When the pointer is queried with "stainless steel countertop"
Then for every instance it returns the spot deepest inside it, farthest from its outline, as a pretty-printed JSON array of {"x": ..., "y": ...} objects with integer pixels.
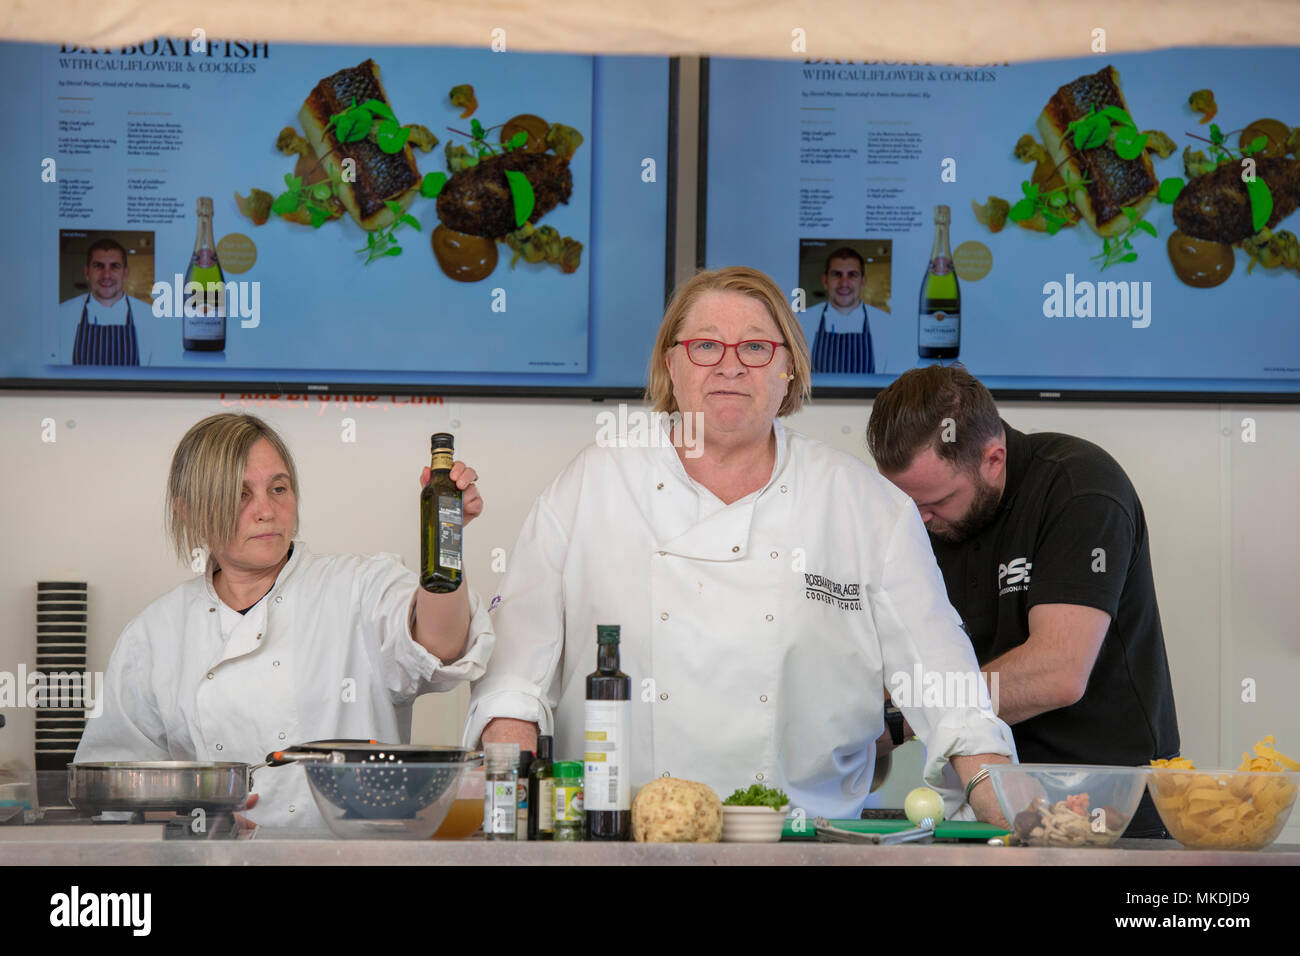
[{"x": 142, "y": 845}]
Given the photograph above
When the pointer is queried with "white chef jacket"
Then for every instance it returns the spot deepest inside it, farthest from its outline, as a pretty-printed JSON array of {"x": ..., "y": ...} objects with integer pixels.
[
  {"x": 326, "y": 654},
  {"x": 758, "y": 635}
]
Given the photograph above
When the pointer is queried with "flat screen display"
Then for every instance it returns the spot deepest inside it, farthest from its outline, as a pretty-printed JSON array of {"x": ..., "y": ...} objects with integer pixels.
[
  {"x": 199, "y": 213},
  {"x": 1101, "y": 227}
]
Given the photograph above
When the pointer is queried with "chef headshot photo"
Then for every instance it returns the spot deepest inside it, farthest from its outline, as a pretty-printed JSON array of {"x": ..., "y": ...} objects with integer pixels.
[
  {"x": 765, "y": 584},
  {"x": 105, "y": 325},
  {"x": 844, "y": 336}
]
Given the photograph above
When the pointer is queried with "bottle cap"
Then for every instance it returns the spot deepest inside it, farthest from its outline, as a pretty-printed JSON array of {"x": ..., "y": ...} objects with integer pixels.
[
  {"x": 442, "y": 440},
  {"x": 942, "y": 216},
  {"x": 544, "y": 743},
  {"x": 567, "y": 768},
  {"x": 525, "y": 761},
  {"x": 607, "y": 633},
  {"x": 204, "y": 206}
]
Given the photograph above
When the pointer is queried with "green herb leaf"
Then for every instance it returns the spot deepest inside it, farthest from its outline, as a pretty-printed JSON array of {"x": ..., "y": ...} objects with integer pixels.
[
  {"x": 1118, "y": 115},
  {"x": 321, "y": 191},
  {"x": 391, "y": 137},
  {"x": 1261, "y": 203},
  {"x": 410, "y": 221},
  {"x": 1169, "y": 189},
  {"x": 1021, "y": 210},
  {"x": 1131, "y": 257},
  {"x": 1255, "y": 145},
  {"x": 521, "y": 190},
  {"x": 395, "y": 251},
  {"x": 1129, "y": 143},
  {"x": 1216, "y": 135},
  {"x": 393, "y": 206},
  {"x": 471, "y": 161},
  {"x": 1091, "y": 133},
  {"x": 1145, "y": 227},
  {"x": 476, "y": 128},
  {"x": 518, "y": 140},
  {"x": 432, "y": 185},
  {"x": 285, "y": 203},
  {"x": 379, "y": 108}
]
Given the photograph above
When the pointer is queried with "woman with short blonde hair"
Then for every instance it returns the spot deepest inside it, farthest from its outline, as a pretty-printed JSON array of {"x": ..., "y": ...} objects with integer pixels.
[{"x": 272, "y": 645}]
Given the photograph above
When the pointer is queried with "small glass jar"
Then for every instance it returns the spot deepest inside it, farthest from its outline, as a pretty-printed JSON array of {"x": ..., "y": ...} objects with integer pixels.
[
  {"x": 501, "y": 789},
  {"x": 568, "y": 800}
]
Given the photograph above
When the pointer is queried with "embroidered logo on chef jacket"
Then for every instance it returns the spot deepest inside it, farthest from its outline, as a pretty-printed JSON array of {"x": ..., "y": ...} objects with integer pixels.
[
  {"x": 1015, "y": 575},
  {"x": 846, "y": 597},
  {"x": 495, "y": 601}
]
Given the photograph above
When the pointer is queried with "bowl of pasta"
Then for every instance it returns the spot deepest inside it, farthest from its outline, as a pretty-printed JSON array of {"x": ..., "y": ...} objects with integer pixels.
[{"x": 1242, "y": 809}]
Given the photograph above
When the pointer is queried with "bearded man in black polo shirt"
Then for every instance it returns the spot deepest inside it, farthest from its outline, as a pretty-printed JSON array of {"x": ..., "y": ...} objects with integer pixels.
[{"x": 1043, "y": 547}]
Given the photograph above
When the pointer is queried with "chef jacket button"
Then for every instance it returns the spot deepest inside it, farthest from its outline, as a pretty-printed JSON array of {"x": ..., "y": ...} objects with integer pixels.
[
  {"x": 784, "y": 489},
  {"x": 664, "y": 774},
  {"x": 758, "y": 776},
  {"x": 259, "y": 637},
  {"x": 664, "y": 695},
  {"x": 659, "y": 487},
  {"x": 279, "y": 598},
  {"x": 292, "y": 807},
  {"x": 219, "y": 747},
  {"x": 763, "y": 698},
  {"x": 661, "y": 553},
  {"x": 663, "y": 616},
  {"x": 282, "y": 735},
  {"x": 735, "y": 548},
  {"x": 211, "y": 610},
  {"x": 769, "y": 617},
  {"x": 774, "y": 554},
  {"x": 275, "y": 663},
  {"x": 210, "y": 675}
]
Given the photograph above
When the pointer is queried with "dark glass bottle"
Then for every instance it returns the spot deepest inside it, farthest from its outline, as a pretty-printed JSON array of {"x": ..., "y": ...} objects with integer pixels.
[
  {"x": 203, "y": 323},
  {"x": 440, "y": 523},
  {"x": 607, "y": 787},
  {"x": 541, "y": 792}
]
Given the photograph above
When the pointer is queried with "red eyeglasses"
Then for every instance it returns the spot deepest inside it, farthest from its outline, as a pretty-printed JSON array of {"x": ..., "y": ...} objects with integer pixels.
[{"x": 753, "y": 353}]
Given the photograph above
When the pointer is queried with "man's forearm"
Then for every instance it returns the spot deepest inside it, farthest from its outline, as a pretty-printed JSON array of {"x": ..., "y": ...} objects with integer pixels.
[
  {"x": 1023, "y": 684},
  {"x": 442, "y": 623}
]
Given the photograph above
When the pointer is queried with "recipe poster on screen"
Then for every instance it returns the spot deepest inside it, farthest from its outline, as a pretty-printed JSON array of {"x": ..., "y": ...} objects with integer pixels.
[
  {"x": 1110, "y": 221},
  {"x": 347, "y": 200}
]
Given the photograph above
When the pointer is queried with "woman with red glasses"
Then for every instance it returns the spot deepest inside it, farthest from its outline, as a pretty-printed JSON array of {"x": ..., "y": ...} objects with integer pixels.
[{"x": 767, "y": 584}]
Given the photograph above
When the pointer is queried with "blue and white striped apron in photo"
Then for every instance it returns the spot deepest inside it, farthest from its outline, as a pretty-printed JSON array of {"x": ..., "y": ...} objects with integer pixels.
[
  {"x": 105, "y": 344},
  {"x": 843, "y": 352}
]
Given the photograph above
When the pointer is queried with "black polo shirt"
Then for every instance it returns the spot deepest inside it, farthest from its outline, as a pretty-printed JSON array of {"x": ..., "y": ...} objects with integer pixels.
[{"x": 1070, "y": 530}]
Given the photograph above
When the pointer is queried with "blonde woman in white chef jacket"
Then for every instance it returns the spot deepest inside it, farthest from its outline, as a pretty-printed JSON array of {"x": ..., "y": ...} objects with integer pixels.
[
  {"x": 767, "y": 585},
  {"x": 273, "y": 645}
]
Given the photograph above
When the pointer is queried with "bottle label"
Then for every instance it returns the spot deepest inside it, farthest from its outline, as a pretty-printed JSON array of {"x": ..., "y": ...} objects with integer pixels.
[
  {"x": 568, "y": 805},
  {"x": 940, "y": 329},
  {"x": 605, "y": 777},
  {"x": 449, "y": 529},
  {"x": 545, "y": 805},
  {"x": 499, "y": 807}
]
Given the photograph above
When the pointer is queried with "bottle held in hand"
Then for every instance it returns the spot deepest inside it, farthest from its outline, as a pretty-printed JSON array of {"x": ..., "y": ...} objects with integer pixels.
[{"x": 441, "y": 521}]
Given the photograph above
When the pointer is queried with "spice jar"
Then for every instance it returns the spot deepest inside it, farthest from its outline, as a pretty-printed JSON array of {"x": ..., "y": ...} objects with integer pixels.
[{"x": 568, "y": 800}]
